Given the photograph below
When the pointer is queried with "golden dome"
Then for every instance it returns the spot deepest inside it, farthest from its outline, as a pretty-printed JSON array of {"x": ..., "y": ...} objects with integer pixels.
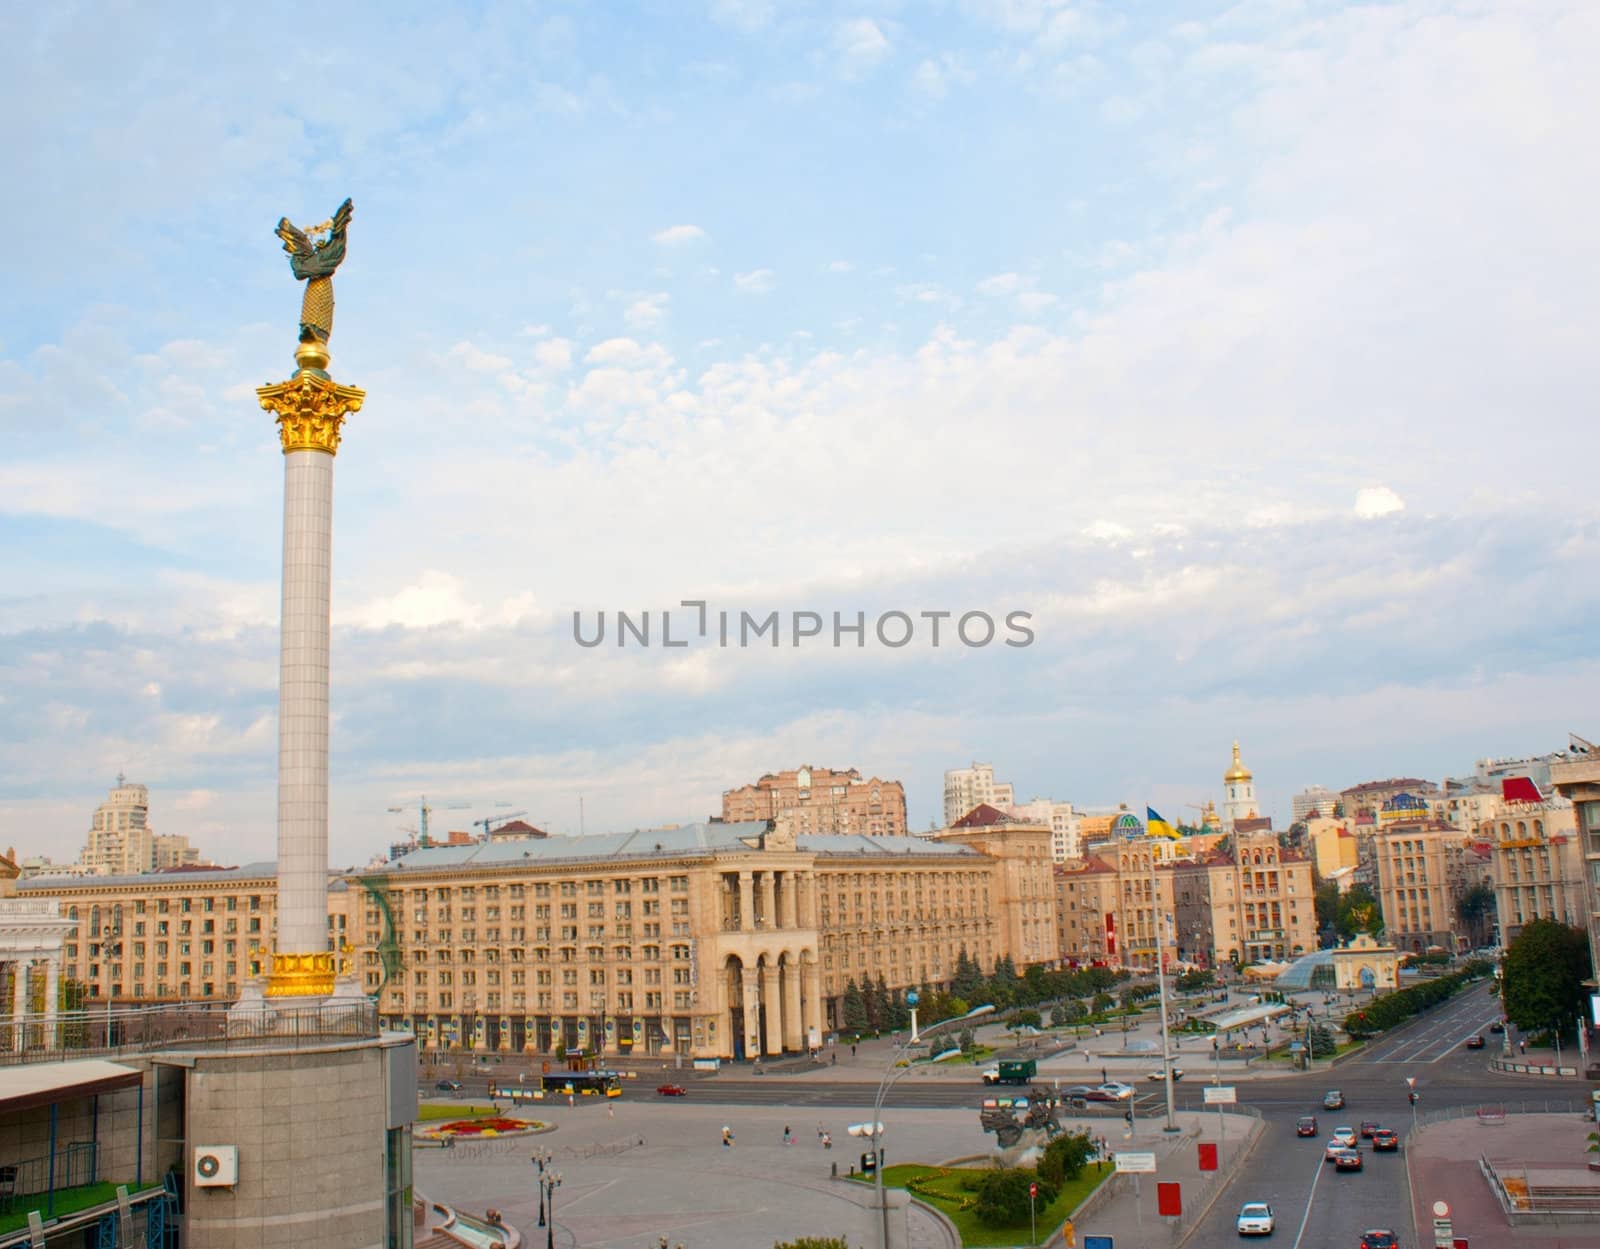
[
  {"x": 1238, "y": 772},
  {"x": 1210, "y": 819}
]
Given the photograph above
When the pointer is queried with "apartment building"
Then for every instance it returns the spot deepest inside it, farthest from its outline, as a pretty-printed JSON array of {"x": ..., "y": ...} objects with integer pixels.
[
  {"x": 121, "y": 841},
  {"x": 1369, "y": 797},
  {"x": 966, "y": 788},
  {"x": 1062, "y": 821},
  {"x": 1537, "y": 860},
  {"x": 1250, "y": 903},
  {"x": 171, "y": 936},
  {"x": 1576, "y": 778},
  {"x": 1424, "y": 868},
  {"x": 822, "y": 801}
]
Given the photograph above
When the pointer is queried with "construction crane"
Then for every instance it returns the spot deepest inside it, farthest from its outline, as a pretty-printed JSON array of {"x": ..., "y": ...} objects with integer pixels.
[
  {"x": 423, "y": 812},
  {"x": 488, "y": 823}
]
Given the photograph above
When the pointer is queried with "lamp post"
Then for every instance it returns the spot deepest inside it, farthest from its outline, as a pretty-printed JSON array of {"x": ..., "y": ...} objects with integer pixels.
[
  {"x": 111, "y": 948},
  {"x": 891, "y": 1073},
  {"x": 541, "y": 1160},
  {"x": 549, "y": 1181}
]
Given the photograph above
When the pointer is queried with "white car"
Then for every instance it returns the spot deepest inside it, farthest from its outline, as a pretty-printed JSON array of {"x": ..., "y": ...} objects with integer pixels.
[
  {"x": 1113, "y": 1091},
  {"x": 1255, "y": 1219},
  {"x": 1346, "y": 1135}
]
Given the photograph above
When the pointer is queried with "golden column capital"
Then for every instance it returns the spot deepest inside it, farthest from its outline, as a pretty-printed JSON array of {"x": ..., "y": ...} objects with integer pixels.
[
  {"x": 301, "y": 975},
  {"x": 310, "y": 408}
]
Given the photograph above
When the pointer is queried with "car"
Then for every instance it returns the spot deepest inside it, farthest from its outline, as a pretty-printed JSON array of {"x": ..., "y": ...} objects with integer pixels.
[
  {"x": 1368, "y": 1127},
  {"x": 1305, "y": 1125},
  {"x": 448, "y": 1086},
  {"x": 671, "y": 1090},
  {"x": 1079, "y": 1092},
  {"x": 1386, "y": 1139},
  {"x": 1379, "y": 1238},
  {"x": 1333, "y": 1146},
  {"x": 1158, "y": 1074},
  {"x": 1497, "y": 1027},
  {"x": 1345, "y": 1134},
  {"x": 1476, "y": 1042},
  {"x": 1347, "y": 1160},
  {"x": 1333, "y": 1099},
  {"x": 1111, "y": 1091},
  {"x": 1255, "y": 1219}
]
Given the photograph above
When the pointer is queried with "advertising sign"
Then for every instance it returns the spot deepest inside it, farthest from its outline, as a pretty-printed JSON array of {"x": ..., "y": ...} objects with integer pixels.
[
  {"x": 1223, "y": 1095},
  {"x": 1135, "y": 1164},
  {"x": 1169, "y": 1198}
]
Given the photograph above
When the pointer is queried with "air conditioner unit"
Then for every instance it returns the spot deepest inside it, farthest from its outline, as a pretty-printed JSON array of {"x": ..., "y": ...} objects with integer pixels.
[{"x": 216, "y": 1166}]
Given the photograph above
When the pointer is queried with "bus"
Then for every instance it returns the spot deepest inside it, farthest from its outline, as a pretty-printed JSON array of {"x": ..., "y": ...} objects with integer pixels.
[{"x": 584, "y": 1083}]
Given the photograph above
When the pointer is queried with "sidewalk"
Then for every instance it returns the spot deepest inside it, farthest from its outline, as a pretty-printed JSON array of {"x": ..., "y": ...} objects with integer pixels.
[
  {"x": 1442, "y": 1163},
  {"x": 1125, "y": 1207}
]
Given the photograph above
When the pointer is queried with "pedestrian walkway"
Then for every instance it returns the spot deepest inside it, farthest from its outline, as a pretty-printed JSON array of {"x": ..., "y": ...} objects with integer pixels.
[
  {"x": 1443, "y": 1163},
  {"x": 1128, "y": 1212}
]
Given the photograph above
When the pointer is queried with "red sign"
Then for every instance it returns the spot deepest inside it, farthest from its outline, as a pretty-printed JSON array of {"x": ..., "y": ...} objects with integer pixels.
[
  {"x": 1208, "y": 1156},
  {"x": 1033, "y": 1191},
  {"x": 1169, "y": 1198},
  {"x": 1111, "y": 933}
]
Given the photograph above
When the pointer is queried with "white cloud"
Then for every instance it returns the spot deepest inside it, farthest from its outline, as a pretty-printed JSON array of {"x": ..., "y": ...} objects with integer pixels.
[
  {"x": 1372, "y": 501},
  {"x": 677, "y": 236},
  {"x": 646, "y": 311},
  {"x": 478, "y": 360},
  {"x": 756, "y": 282},
  {"x": 1002, "y": 284},
  {"x": 437, "y": 598},
  {"x": 860, "y": 45},
  {"x": 840, "y": 266},
  {"x": 554, "y": 355},
  {"x": 745, "y": 15},
  {"x": 1036, "y": 301}
]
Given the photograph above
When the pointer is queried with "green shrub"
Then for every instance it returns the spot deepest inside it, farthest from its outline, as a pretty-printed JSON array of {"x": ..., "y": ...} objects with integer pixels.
[
  {"x": 1003, "y": 1200},
  {"x": 1064, "y": 1158}
]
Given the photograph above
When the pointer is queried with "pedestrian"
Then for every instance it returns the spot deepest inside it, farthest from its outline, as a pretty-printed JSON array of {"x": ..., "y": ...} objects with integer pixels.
[
  {"x": 611, "y": 1111},
  {"x": 819, "y": 1131},
  {"x": 852, "y": 1049},
  {"x": 1104, "y": 1078},
  {"x": 788, "y": 1136},
  {"x": 833, "y": 1058},
  {"x": 827, "y": 1140},
  {"x": 1524, "y": 1043},
  {"x": 727, "y": 1137}
]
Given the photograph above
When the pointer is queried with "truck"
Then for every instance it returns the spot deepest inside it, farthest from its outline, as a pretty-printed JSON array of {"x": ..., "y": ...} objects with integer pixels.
[{"x": 1012, "y": 1071}]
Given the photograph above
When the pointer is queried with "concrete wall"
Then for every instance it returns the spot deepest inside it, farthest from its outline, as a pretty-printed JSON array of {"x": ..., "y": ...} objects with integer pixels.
[{"x": 309, "y": 1126}]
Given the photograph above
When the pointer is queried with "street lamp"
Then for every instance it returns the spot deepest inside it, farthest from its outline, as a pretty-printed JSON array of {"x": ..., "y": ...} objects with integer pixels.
[
  {"x": 549, "y": 1181},
  {"x": 891, "y": 1073},
  {"x": 541, "y": 1160}
]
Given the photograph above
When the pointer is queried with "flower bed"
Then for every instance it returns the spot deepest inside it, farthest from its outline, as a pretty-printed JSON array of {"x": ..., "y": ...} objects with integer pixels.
[{"x": 483, "y": 1127}]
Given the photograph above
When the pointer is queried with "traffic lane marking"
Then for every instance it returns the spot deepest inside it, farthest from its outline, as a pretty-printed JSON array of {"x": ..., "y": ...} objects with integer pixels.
[{"x": 1311, "y": 1197}]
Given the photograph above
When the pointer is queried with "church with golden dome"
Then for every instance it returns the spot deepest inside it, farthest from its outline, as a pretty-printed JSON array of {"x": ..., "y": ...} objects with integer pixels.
[{"x": 1239, "y": 793}]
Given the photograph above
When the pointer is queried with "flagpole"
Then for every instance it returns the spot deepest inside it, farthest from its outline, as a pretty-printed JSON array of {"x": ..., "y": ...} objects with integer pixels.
[{"x": 1161, "y": 978}]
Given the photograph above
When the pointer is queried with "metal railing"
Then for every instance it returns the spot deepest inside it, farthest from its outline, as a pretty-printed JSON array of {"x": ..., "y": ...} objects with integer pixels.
[
  {"x": 75, "y": 1164},
  {"x": 210, "y": 1025},
  {"x": 1486, "y": 1112}
]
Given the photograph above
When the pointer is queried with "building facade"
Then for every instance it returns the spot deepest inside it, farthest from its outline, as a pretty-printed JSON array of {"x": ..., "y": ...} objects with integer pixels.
[
  {"x": 1250, "y": 903},
  {"x": 1369, "y": 797},
  {"x": 966, "y": 788},
  {"x": 819, "y": 800},
  {"x": 1577, "y": 779},
  {"x": 1424, "y": 868},
  {"x": 1538, "y": 867},
  {"x": 171, "y": 936},
  {"x": 1062, "y": 821},
  {"x": 121, "y": 841},
  {"x": 1313, "y": 800}
]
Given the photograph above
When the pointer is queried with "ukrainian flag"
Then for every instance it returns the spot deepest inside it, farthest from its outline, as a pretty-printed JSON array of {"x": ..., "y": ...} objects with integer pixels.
[{"x": 1158, "y": 827}]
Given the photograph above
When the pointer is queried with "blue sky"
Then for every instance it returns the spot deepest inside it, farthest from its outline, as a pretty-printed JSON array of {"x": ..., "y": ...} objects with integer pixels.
[{"x": 1249, "y": 346}]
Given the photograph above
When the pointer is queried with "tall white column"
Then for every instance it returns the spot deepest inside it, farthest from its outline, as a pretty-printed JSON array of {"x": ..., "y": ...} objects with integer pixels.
[
  {"x": 52, "y": 990},
  {"x": 19, "y": 1004},
  {"x": 303, "y": 702}
]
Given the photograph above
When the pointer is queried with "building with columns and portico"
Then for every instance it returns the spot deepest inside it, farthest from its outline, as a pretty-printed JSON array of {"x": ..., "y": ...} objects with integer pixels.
[{"x": 32, "y": 933}]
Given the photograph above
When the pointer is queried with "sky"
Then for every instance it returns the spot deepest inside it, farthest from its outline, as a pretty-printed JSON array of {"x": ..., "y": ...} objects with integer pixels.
[{"x": 1247, "y": 347}]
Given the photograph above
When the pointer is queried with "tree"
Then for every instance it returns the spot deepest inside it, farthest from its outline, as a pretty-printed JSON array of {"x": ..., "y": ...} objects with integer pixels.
[
  {"x": 968, "y": 980},
  {"x": 1003, "y": 1199},
  {"x": 1473, "y": 909},
  {"x": 1025, "y": 1019},
  {"x": 1068, "y": 1012},
  {"x": 1326, "y": 900},
  {"x": 854, "y": 1010},
  {"x": 1320, "y": 1042},
  {"x": 1544, "y": 971},
  {"x": 872, "y": 1003},
  {"x": 1064, "y": 1158},
  {"x": 965, "y": 1041}
]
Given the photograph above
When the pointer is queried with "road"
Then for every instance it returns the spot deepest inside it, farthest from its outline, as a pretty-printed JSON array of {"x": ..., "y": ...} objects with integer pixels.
[{"x": 1318, "y": 1208}]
